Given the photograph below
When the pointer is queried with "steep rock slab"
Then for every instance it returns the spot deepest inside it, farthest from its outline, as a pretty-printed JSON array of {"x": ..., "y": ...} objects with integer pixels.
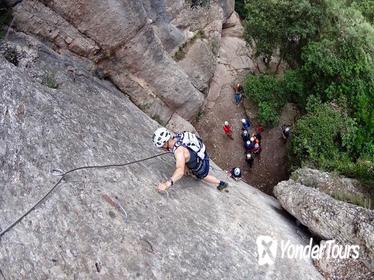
[
  {"x": 329, "y": 218},
  {"x": 194, "y": 233}
]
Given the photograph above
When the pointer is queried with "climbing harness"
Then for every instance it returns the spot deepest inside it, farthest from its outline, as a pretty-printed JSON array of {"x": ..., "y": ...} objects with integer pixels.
[{"x": 60, "y": 173}]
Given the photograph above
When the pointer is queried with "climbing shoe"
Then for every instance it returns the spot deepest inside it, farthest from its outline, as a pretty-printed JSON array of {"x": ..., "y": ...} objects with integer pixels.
[{"x": 222, "y": 186}]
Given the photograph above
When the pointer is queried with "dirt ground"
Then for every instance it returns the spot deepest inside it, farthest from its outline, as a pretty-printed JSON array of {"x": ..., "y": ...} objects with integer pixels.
[
  {"x": 268, "y": 169},
  {"x": 233, "y": 65}
]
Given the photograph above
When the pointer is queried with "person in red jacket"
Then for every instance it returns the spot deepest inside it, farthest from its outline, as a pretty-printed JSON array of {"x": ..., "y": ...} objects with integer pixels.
[{"x": 228, "y": 130}]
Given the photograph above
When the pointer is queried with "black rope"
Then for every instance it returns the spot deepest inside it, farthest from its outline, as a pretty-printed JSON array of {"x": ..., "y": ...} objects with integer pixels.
[{"x": 66, "y": 173}]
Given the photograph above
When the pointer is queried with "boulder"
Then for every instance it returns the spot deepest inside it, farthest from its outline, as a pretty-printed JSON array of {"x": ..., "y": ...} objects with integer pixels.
[
  {"x": 341, "y": 269},
  {"x": 339, "y": 187},
  {"x": 329, "y": 218},
  {"x": 110, "y": 223}
]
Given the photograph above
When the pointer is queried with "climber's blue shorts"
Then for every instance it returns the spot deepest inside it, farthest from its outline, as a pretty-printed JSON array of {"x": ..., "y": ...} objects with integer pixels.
[{"x": 199, "y": 167}]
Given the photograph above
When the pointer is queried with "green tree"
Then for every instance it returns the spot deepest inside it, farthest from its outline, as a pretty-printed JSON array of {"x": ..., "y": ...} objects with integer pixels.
[
  {"x": 240, "y": 8},
  {"x": 329, "y": 45},
  {"x": 342, "y": 65},
  {"x": 5, "y": 18},
  {"x": 286, "y": 26},
  {"x": 266, "y": 91},
  {"x": 366, "y": 7}
]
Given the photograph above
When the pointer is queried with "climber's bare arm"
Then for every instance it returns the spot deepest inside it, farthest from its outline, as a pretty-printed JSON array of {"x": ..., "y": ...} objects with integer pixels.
[{"x": 179, "y": 170}]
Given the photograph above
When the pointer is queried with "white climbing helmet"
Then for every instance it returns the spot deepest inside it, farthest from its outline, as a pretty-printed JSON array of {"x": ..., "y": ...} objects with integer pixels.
[
  {"x": 243, "y": 121},
  {"x": 237, "y": 171},
  {"x": 249, "y": 156},
  {"x": 252, "y": 139},
  {"x": 245, "y": 132},
  {"x": 226, "y": 123},
  {"x": 248, "y": 142},
  {"x": 161, "y": 136}
]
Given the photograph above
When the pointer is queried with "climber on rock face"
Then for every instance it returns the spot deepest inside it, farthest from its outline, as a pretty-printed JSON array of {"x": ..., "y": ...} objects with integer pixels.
[{"x": 189, "y": 153}]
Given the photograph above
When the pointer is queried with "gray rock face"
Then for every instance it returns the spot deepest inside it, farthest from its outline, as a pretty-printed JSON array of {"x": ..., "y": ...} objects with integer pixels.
[
  {"x": 34, "y": 17},
  {"x": 130, "y": 41},
  {"x": 55, "y": 115},
  {"x": 335, "y": 268},
  {"x": 329, "y": 218},
  {"x": 228, "y": 7},
  {"x": 233, "y": 27},
  {"x": 118, "y": 36},
  {"x": 199, "y": 64}
]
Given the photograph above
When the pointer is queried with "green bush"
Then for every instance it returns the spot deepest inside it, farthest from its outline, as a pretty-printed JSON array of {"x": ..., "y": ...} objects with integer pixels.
[
  {"x": 266, "y": 91},
  {"x": 323, "y": 139},
  {"x": 267, "y": 114},
  {"x": 366, "y": 7},
  {"x": 363, "y": 169},
  {"x": 5, "y": 18},
  {"x": 240, "y": 8},
  {"x": 293, "y": 87},
  {"x": 315, "y": 134}
]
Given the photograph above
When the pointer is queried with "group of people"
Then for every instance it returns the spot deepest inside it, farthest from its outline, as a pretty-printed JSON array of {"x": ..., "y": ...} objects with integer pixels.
[{"x": 251, "y": 143}]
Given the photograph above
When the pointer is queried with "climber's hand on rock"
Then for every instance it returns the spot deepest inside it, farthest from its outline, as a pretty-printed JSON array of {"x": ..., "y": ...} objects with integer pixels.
[{"x": 162, "y": 187}]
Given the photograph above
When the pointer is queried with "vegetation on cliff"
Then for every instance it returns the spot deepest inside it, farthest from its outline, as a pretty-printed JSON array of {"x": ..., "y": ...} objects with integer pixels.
[{"x": 329, "y": 48}]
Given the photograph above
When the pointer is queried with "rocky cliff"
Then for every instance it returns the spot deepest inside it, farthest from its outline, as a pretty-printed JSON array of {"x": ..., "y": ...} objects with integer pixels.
[
  {"x": 160, "y": 53},
  {"x": 308, "y": 197},
  {"x": 55, "y": 115}
]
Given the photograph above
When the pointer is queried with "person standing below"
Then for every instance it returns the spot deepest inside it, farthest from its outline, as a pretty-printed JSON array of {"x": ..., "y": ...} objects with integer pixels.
[
  {"x": 238, "y": 93},
  {"x": 259, "y": 130},
  {"x": 228, "y": 130},
  {"x": 286, "y": 131},
  {"x": 235, "y": 173},
  {"x": 256, "y": 150},
  {"x": 190, "y": 153},
  {"x": 248, "y": 146},
  {"x": 245, "y": 135},
  {"x": 249, "y": 159},
  {"x": 245, "y": 124},
  {"x": 238, "y": 88}
]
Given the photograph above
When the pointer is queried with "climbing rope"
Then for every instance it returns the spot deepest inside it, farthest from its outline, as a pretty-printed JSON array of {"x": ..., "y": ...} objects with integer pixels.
[{"x": 68, "y": 172}]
